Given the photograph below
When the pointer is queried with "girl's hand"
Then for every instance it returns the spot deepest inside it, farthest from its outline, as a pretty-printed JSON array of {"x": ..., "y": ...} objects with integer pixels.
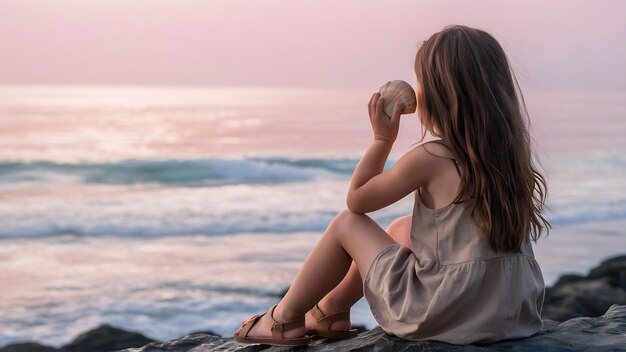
[{"x": 384, "y": 128}]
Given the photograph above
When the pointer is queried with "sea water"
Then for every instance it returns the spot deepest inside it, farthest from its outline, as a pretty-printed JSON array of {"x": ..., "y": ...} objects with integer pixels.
[{"x": 168, "y": 210}]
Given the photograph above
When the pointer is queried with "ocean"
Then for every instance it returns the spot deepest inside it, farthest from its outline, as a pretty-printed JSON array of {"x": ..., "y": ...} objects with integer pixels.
[{"x": 168, "y": 210}]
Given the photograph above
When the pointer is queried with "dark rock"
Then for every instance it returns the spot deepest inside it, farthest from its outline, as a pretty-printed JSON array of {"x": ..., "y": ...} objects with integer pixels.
[
  {"x": 577, "y": 296},
  {"x": 28, "y": 347},
  {"x": 106, "y": 338},
  {"x": 605, "y": 333},
  {"x": 187, "y": 343},
  {"x": 584, "y": 298},
  {"x": 568, "y": 279},
  {"x": 208, "y": 332},
  {"x": 614, "y": 269}
]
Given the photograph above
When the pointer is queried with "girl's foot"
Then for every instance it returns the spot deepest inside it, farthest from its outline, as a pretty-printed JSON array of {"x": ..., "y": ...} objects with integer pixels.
[
  {"x": 339, "y": 325},
  {"x": 262, "y": 328}
]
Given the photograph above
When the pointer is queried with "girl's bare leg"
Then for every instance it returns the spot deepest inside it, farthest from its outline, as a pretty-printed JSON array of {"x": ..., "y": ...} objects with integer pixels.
[
  {"x": 349, "y": 236},
  {"x": 350, "y": 289}
]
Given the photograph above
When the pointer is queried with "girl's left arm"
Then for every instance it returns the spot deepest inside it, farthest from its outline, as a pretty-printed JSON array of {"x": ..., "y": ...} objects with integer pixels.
[{"x": 370, "y": 188}]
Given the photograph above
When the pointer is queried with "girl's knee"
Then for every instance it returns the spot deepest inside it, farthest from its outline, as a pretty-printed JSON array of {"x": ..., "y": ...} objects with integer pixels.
[
  {"x": 346, "y": 219},
  {"x": 400, "y": 230}
]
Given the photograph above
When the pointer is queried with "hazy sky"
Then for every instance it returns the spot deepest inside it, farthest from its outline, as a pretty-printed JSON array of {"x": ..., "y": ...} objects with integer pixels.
[{"x": 566, "y": 45}]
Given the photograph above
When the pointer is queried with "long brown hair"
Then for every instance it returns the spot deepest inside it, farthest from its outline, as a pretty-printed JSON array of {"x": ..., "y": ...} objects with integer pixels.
[{"x": 469, "y": 96}]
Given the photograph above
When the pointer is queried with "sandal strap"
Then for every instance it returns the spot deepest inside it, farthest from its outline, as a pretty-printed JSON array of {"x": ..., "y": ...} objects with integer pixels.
[
  {"x": 244, "y": 331},
  {"x": 316, "y": 313},
  {"x": 325, "y": 321},
  {"x": 278, "y": 328}
]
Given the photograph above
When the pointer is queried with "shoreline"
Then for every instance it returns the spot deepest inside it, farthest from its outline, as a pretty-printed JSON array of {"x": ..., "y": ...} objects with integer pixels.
[{"x": 572, "y": 295}]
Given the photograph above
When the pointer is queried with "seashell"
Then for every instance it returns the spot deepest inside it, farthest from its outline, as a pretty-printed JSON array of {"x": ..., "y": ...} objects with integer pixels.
[{"x": 398, "y": 91}]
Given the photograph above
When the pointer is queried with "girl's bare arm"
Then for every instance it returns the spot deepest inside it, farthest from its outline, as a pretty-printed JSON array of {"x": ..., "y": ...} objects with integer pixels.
[{"x": 370, "y": 188}]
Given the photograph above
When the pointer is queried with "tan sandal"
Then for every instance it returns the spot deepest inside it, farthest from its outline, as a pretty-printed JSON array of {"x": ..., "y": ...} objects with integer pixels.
[
  {"x": 277, "y": 332},
  {"x": 325, "y": 321}
]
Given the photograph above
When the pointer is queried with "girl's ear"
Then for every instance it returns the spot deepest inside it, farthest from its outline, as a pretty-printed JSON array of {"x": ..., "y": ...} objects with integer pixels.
[
  {"x": 422, "y": 116},
  {"x": 431, "y": 128},
  {"x": 419, "y": 99}
]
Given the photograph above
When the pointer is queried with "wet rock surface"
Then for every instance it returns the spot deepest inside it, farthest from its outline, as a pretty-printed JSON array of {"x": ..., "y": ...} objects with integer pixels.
[{"x": 605, "y": 333}]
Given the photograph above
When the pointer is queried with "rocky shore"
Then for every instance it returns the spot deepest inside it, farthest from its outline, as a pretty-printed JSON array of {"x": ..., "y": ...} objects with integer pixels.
[
  {"x": 605, "y": 333},
  {"x": 575, "y": 296},
  {"x": 580, "y": 313},
  {"x": 104, "y": 338}
]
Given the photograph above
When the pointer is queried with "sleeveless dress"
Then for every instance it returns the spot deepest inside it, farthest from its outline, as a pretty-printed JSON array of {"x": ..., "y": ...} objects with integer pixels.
[{"x": 453, "y": 287}]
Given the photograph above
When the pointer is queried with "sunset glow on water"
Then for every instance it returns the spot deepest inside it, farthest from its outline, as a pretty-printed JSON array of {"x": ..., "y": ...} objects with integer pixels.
[{"x": 167, "y": 209}]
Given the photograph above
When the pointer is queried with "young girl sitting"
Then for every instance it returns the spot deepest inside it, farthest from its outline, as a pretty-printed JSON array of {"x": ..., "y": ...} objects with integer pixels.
[{"x": 460, "y": 268}]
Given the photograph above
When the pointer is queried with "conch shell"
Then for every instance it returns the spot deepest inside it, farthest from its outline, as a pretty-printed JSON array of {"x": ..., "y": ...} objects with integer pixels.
[{"x": 398, "y": 91}]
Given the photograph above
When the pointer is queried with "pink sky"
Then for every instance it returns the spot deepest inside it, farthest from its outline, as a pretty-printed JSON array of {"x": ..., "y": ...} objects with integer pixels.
[{"x": 565, "y": 45}]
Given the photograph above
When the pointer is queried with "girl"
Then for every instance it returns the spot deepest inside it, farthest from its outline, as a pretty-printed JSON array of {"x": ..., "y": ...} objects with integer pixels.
[{"x": 461, "y": 268}]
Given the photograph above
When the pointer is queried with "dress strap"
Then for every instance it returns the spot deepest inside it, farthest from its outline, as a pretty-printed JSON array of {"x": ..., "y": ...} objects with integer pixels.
[{"x": 448, "y": 154}]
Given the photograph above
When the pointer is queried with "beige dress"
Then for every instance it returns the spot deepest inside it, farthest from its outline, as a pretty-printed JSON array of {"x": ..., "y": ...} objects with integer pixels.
[{"x": 453, "y": 287}]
